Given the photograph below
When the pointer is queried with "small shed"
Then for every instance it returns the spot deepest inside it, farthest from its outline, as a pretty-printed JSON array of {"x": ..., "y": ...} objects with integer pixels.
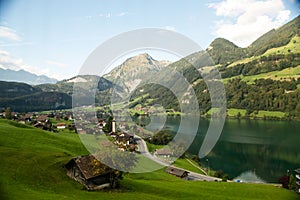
[
  {"x": 91, "y": 173},
  {"x": 177, "y": 172}
]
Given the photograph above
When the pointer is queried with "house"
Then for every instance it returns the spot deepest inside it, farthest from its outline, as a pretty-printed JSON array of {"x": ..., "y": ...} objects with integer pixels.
[
  {"x": 39, "y": 125},
  {"x": 164, "y": 152},
  {"x": 61, "y": 125},
  {"x": 124, "y": 138},
  {"x": 298, "y": 180},
  {"x": 28, "y": 117},
  {"x": 88, "y": 171},
  {"x": 177, "y": 172},
  {"x": 42, "y": 118},
  {"x": 101, "y": 124}
]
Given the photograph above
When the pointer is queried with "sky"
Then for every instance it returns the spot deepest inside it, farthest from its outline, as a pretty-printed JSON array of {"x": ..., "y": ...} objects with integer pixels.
[{"x": 55, "y": 37}]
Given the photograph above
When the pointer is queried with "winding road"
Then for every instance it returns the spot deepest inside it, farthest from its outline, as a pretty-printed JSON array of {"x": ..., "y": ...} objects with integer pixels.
[{"x": 143, "y": 149}]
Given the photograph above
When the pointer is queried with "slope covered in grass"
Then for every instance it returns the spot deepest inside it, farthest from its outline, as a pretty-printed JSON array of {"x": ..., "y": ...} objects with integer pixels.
[{"x": 32, "y": 168}]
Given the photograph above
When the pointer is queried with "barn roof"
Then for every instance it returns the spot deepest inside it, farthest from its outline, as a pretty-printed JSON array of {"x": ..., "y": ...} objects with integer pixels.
[
  {"x": 176, "y": 171},
  {"x": 89, "y": 166}
]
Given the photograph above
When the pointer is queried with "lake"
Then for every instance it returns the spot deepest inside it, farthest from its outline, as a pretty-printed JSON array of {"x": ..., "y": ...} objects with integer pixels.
[{"x": 265, "y": 149}]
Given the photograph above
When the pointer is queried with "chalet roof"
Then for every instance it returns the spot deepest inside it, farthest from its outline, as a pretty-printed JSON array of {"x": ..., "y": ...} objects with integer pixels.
[
  {"x": 60, "y": 124},
  {"x": 163, "y": 151},
  {"x": 176, "y": 171},
  {"x": 89, "y": 166},
  {"x": 28, "y": 115},
  {"x": 39, "y": 124},
  {"x": 42, "y": 118},
  {"x": 124, "y": 136}
]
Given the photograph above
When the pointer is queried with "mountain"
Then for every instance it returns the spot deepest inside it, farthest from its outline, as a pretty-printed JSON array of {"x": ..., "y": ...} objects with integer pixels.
[
  {"x": 223, "y": 51},
  {"x": 262, "y": 77},
  {"x": 130, "y": 73},
  {"x": 85, "y": 82},
  {"x": 84, "y": 87},
  {"x": 14, "y": 89},
  {"x": 23, "y": 98},
  {"x": 275, "y": 37},
  {"x": 24, "y": 76}
]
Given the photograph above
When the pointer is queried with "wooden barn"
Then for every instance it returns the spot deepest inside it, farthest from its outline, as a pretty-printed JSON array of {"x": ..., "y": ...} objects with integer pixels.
[
  {"x": 88, "y": 171},
  {"x": 177, "y": 172}
]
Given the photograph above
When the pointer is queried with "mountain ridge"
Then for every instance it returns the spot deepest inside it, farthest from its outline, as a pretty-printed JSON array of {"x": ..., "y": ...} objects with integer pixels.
[
  {"x": 233, "y": 63},
  {"x": 130, "y": 73},
  {"x": 24, "y": 76}
]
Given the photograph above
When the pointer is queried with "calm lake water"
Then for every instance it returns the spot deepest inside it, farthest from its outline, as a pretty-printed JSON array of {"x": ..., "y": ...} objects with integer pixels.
[{"x": 264, "y": 148}]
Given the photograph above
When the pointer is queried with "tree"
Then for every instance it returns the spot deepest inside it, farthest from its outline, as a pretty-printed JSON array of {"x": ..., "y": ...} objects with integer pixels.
[
  {"x": 292, "y": 183},
  {"x": 284, "y": 181},
  {"x": 8, "y": 113},
  {"x": 161, "y": 137},
  {"x": 108, "y": 127}
]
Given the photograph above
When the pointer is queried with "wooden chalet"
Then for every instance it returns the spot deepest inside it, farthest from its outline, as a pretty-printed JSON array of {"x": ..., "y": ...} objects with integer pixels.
[
  {"x": 42, "y": 118},
  {"x": 164, "y": 152},
  {"x": 88, "y": 171},
  {"x": 177, "y": 172},
  {"x": 125, "y": 138}
]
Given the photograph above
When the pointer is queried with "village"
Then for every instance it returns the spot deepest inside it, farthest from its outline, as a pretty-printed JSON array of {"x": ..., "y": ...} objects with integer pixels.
[{"x": 87, "y": 169}]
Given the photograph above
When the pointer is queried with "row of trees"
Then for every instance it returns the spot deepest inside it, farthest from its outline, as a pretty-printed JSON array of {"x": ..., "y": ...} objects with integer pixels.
[{"x": 264, "y": 94}]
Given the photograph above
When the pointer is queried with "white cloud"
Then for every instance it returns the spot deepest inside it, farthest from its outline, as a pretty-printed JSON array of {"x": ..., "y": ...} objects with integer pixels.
[
  {"x": 9, "y": 33},
  {"x": 170, "y": 28},
  {"x": 122, "y": 14},
  {"x": 246, "y": 20},
  {"x": 109, "y": 15},
  {"x": 8, "y": 61},
  {"x": 55, "y": 63}
]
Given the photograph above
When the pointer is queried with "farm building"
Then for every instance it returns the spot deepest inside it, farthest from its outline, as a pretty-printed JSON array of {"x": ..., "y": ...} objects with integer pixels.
[
  {"x": 177, "y": 172},
  {"x": 88, "y": 171}
]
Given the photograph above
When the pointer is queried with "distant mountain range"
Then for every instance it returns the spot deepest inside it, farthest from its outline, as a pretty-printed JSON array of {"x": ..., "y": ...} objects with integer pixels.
[
  {"x": 264, "y": 76},
  {"x": 24, "y": 77}
]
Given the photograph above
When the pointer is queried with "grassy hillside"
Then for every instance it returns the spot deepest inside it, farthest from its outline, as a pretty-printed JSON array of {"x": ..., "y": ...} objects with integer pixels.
[
  {"x": 275, "y": 38},
  {"x": 31, "y": 168}
]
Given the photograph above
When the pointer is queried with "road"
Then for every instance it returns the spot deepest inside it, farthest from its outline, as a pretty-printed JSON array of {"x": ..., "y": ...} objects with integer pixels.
[{"x": 143, "y": 149}]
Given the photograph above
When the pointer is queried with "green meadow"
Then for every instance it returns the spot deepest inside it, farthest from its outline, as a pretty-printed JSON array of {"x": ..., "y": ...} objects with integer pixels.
[
  {"x": 233, "y": 112},
  {"x": 292, "y": 47},
  {"x": 285, "y": 74},
  {"x": 32, "y": 163}
]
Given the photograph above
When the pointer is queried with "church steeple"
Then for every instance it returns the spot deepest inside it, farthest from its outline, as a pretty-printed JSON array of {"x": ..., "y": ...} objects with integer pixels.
[{"x": 113, "y": 125}]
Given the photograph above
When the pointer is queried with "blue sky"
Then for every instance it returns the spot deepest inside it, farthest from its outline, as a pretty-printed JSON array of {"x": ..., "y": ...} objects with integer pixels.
[{"x": 55, "y": 37}]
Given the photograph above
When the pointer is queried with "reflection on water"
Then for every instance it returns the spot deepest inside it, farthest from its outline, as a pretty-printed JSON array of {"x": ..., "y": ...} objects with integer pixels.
[
  {"x": 269, "y": 148},
  {"x": 249, "y": 177}
]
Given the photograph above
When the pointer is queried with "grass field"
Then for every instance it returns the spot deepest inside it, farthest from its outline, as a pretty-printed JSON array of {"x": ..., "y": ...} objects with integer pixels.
[
  {"x": 32, "y": 168},
  {"x": 153, "y": 147},
  {"x": 233, "y": 112},
  {"x": 183, "y": 163},
  {"x": 292, "y": 47},
  {"x": 285, "y": 74}
]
